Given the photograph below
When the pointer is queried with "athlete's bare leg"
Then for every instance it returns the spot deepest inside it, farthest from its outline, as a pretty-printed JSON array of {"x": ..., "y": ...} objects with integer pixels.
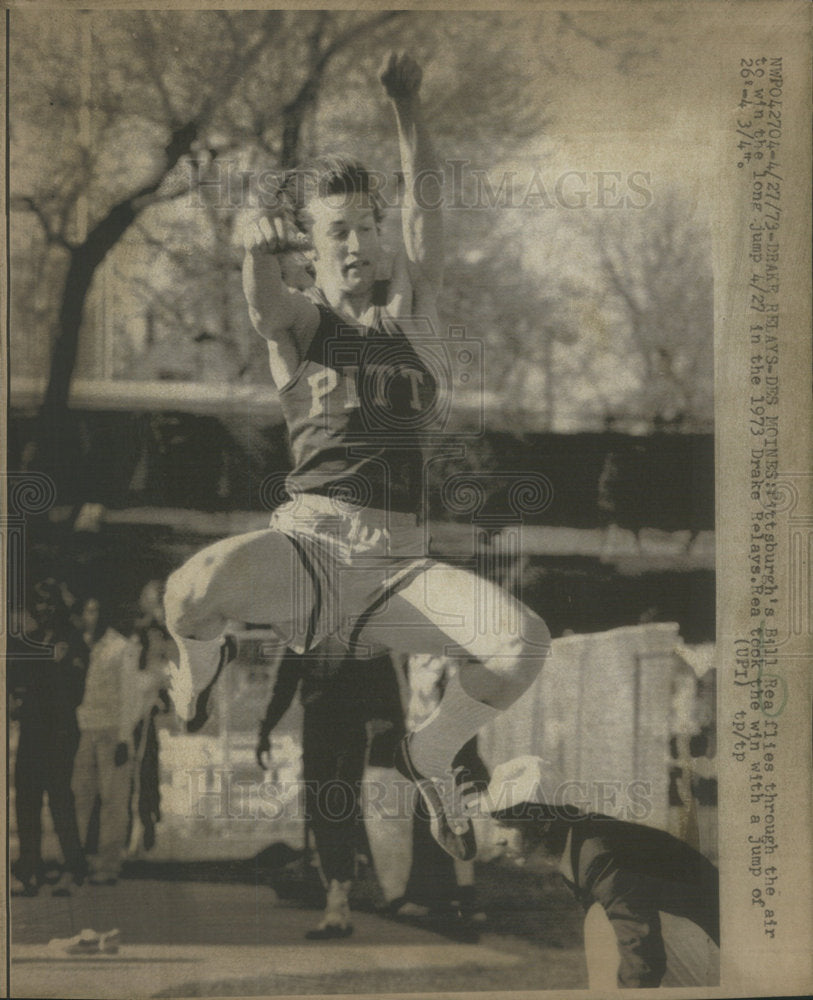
[
  {"x": 254, "y": 577},
  {"x": 449, "y": 611}
]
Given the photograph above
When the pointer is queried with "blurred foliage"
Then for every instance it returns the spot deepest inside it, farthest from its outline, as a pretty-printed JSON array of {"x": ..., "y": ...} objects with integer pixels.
[{"x": 655, "y": 281}]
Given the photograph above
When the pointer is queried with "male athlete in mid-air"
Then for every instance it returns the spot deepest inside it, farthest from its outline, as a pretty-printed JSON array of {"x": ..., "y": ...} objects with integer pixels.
[{"x": 344, "y": 555}]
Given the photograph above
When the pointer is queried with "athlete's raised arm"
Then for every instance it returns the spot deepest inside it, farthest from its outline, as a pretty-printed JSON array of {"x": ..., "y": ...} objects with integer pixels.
[
  {"x": 281, "y": 315},
  {"x": 422, "y": 219}
]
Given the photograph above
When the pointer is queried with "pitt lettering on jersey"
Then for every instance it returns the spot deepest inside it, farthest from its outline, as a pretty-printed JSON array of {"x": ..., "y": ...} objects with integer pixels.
[
  {"x": 354, "y": 409},
  {"x": 377, "y": 380},
  {"x": 322, "y": 383}
]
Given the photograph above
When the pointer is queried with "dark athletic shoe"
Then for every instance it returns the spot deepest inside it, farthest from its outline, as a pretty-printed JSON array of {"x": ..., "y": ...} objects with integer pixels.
[
  {"x": 64, "y": 885},
  {"x": 450, "y": 825},
  {"x": 23, "y": 886},
  {"x": 228, "y": 652}
]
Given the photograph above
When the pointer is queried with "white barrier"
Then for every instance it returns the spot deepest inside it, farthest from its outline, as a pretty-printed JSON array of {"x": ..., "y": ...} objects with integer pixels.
[{"x": 600, "y": 712}]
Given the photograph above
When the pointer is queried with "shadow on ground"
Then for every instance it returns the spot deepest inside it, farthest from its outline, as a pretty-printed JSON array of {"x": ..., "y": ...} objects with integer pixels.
[
  {"x": 534, "y": 906},
  {"x": 530, "y": 905}
]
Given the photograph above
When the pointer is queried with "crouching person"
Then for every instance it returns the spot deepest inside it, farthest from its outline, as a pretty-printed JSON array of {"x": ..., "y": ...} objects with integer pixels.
[
  {"x": 104, "y": 761},
  {"x": 651, "y": 902}
]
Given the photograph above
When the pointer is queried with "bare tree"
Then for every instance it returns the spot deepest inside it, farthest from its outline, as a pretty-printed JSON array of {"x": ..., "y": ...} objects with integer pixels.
[{"x": 655, "y": 272}]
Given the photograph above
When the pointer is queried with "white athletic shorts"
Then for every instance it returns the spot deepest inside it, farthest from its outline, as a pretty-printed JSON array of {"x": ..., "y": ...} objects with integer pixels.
[{"x": 354, "y": 558}]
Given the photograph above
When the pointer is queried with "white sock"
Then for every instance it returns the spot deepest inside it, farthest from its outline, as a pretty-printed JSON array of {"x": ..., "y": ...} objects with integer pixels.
[{"x": 456, "y": 719}]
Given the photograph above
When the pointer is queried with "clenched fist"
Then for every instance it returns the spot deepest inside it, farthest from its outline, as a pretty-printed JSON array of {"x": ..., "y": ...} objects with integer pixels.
[
  {"x": 267, "y": 233},
  {"x": 401, "y": 76}
]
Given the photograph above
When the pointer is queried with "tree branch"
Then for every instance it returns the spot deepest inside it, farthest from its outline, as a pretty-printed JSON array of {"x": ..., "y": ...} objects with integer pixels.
[
  {"x": 293, "y": 113},
  {"x": 567, "y": 22},
  {"x": 352, "y": 33},
  {"x": 636, "y": 311},
  {"x": 239, "y": 65},
  {"x": 148, "y": 54},
  {"x": 616, "y": 280},
  {"x": 53, "y": 236}
]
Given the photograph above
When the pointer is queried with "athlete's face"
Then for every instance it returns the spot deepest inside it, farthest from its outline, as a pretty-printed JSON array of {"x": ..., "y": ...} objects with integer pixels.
[{"x": 346, "y": 243}]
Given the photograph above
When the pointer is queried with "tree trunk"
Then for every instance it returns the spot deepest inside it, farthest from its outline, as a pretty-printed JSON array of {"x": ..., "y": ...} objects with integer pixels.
[
  {"x": 84, "y": 261},
  {"x": 293, "y": 118},
  {"x": 52, "y": 445}
]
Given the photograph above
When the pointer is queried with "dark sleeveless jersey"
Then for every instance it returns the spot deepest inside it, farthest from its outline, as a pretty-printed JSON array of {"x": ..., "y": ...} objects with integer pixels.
[{"x": 355, "y": 409}]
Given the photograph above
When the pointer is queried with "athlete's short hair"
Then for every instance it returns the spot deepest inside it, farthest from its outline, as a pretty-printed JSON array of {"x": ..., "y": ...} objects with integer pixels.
[{"x": 330, "y": 175}]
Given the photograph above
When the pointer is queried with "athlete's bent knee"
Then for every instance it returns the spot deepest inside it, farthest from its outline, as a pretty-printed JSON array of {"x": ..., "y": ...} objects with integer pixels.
[
  {"x": 185, "y": 603},
  {"x": 178, "y": 603},
  {"x": 522, "y": 656}
]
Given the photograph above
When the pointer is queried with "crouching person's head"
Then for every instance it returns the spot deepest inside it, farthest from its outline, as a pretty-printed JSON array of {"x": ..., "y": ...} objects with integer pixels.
[{"x": 532, "y": 809}]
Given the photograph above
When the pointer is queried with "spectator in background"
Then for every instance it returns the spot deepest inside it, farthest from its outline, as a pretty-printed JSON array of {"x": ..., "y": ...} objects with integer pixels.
[
  {"x": 156, "y": 648},
  {"x": 45, "y": 692},
  {"x": 340, "y": 696},
  {"x": 112, "y": 704}
]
